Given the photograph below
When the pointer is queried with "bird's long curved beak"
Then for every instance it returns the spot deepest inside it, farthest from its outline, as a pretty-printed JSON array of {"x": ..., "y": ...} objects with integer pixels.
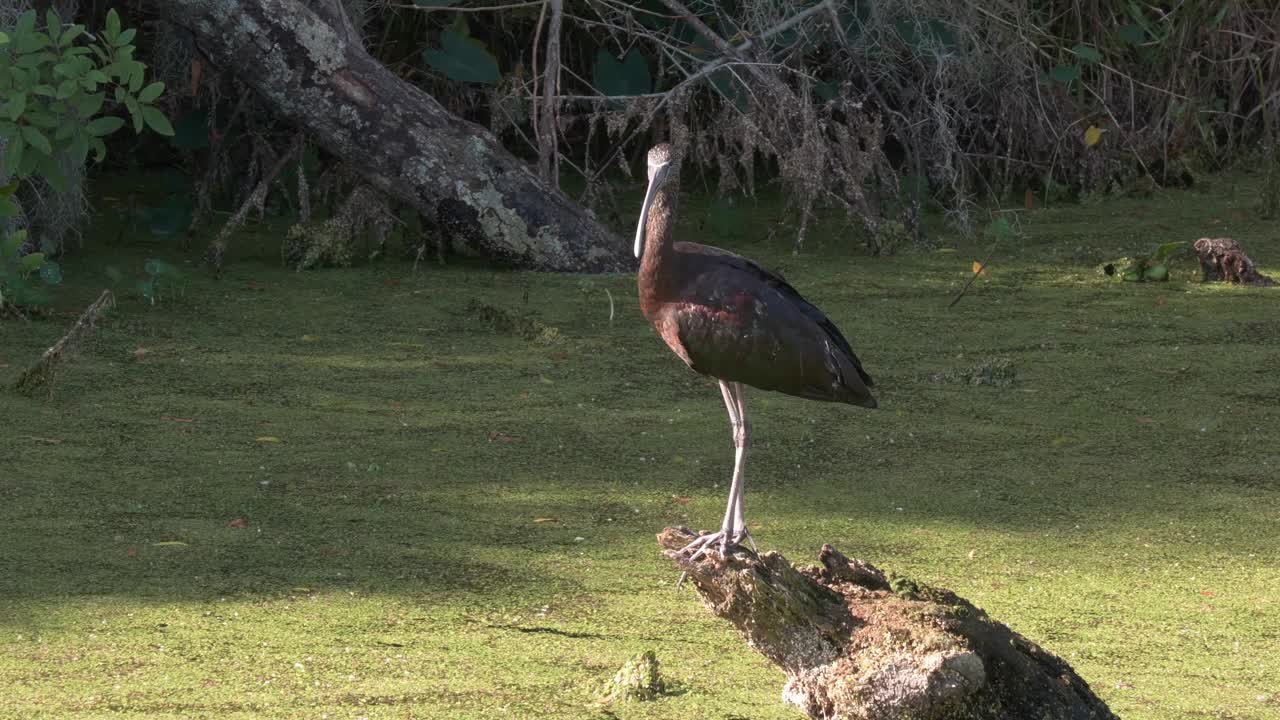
[{"x": 658, "y": 178}]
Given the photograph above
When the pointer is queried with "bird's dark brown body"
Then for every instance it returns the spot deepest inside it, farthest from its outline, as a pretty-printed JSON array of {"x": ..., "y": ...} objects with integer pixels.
[{"x": 729, "y": 318}]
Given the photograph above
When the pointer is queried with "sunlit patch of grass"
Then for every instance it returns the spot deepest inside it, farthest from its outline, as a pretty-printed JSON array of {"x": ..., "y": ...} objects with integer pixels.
[{"x": 459, "y": 522}]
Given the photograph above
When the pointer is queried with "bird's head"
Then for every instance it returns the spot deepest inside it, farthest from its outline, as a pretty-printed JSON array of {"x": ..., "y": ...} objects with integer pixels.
[{"x": 662, "y": 163}]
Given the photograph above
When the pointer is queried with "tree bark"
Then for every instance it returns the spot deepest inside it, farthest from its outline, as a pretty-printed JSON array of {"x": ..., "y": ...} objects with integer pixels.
[
  {"x": 307, "y": 62},
  {"x": 856, "y": 644}
]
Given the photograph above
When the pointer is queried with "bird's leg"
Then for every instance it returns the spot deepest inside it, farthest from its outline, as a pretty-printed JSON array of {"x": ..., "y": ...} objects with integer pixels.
[
  {"x": 733, "y": 529},
  {"x": 741, "y": 444}
]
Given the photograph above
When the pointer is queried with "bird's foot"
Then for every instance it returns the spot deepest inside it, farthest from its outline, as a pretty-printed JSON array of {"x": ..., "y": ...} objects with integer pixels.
[
  {"x": 704, "y": 542},
  {"x": 727, "y": 540}
]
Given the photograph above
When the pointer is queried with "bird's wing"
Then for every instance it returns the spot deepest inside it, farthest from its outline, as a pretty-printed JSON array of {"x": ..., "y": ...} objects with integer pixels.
[
  {"x": 738, "y": 322},
  {"x": 774, "y": 280}
]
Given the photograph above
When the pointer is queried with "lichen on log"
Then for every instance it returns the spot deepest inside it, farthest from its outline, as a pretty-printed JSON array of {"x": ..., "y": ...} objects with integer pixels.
[{"x": 857, "y": 644}]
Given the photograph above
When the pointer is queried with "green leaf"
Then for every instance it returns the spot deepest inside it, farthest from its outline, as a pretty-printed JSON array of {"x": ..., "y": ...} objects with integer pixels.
[
  {"x": 1065, "y": 73},
  {"x": 113, "y": 24},
  {"x": 1164, "y": 251},
  {"x": 30, "y": 160},
  {"x": 628, "y": 77},
  {"x": 11, "y": 244},
  {"x": 44, "y": 90},
  {"x": 21, "y": 78},
  {"x": 31, "y": 61},
  {"x": 40, "y": 118},
  {"x": 79, "y": 148},
  {"x": 67, "y": 88},
  {"x": 9, "y": 189},
  {"x": 71, "y": 34},
  {"x": 1087, "y": 53},
  {"x": 37, "y": 139},
  {"x": 89, "y": 105},
  {"x": 4, "y": 38},
  {"x": 135, "y": 111},
  {"x": 51, "y": 273},
  {"x": 98, "y": 127},
  {"x": 53, "y": 25},
  {"x": 149, "y": 93},
  {"x": 460, "y": 25},
  {"x": 463, "y": 59},
  {"x": 13, "y": 155},
  {"x": 125, "y": 38},
  {"x": 1141, "y": 18},
  {"x": 99, "y": 149},
  {"x": 19, "y": 237},
  {"x": 92, "y": 80},
  {"x": 51, "y": 170},
  {"x": 24, "y": 30},
  {"x": 1132, "y": 34},
  {"x": 8, "y": 129},
  {"x": 137, "y": 76},
  {"x": 31, "y": 261},
  {"x": 157, "y": 121},
  {"x": 16, "y": 106}
]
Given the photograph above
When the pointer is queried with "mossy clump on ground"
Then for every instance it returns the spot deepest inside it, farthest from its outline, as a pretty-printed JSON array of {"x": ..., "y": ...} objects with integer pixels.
[
  {"x": 638, "y": 681},
  {"x": 996, "y": 372},
  {"x": 506, "y": 322}
]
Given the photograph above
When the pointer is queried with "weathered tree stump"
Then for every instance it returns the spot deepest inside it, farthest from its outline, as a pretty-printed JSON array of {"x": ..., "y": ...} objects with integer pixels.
[
  {"x": 857, "y": 644},
  {"x": 1223, "y": 259}
]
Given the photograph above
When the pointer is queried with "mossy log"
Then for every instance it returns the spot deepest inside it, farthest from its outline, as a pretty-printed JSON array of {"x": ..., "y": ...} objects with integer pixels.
[
  {"x": 308, "y": 64},
  {"x": 856, "y": 644},
  {"x": 1223, "y": 259}
]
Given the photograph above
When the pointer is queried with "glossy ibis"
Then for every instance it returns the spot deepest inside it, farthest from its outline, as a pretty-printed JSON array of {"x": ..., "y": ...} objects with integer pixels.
[{"x": 729, "y": 318}]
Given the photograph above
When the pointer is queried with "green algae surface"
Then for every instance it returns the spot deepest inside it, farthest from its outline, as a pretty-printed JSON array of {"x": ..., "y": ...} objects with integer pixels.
[{"x": 381, "y": 493}]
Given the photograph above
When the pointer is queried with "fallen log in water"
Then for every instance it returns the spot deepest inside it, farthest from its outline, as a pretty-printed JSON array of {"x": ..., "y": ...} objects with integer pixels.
[{"x": 856, "y": 643}]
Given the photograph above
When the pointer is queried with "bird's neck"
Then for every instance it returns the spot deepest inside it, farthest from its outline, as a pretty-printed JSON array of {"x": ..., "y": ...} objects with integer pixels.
[{"x": 656, "y": 267}]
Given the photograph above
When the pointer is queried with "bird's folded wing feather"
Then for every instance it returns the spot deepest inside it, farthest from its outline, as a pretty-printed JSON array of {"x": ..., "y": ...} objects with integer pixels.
[{"x": 740, "y": 322}]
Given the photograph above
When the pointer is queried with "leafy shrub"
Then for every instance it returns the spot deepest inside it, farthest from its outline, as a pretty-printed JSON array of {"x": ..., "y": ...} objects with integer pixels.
[{"x": 60, "y": 85}]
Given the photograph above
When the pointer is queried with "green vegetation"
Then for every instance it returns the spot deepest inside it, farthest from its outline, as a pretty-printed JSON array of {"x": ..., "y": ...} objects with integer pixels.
[
  {"x": 374, "y": 493},
  {"x": 55, "y": 111}
]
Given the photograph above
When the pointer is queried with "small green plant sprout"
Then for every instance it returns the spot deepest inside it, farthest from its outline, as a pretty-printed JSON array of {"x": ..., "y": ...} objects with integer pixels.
[
  {"x": 1154, "y": 268},
  {"x": 161, "y": 278},
  {"x": 24, "y": 278},
  {"x": 587, "y": 287}
]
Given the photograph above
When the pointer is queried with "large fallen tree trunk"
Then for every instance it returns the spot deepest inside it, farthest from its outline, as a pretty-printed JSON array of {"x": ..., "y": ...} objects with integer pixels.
[
  {"x": 855, "y": 644},
  {"x": 307, "y": 62}
]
